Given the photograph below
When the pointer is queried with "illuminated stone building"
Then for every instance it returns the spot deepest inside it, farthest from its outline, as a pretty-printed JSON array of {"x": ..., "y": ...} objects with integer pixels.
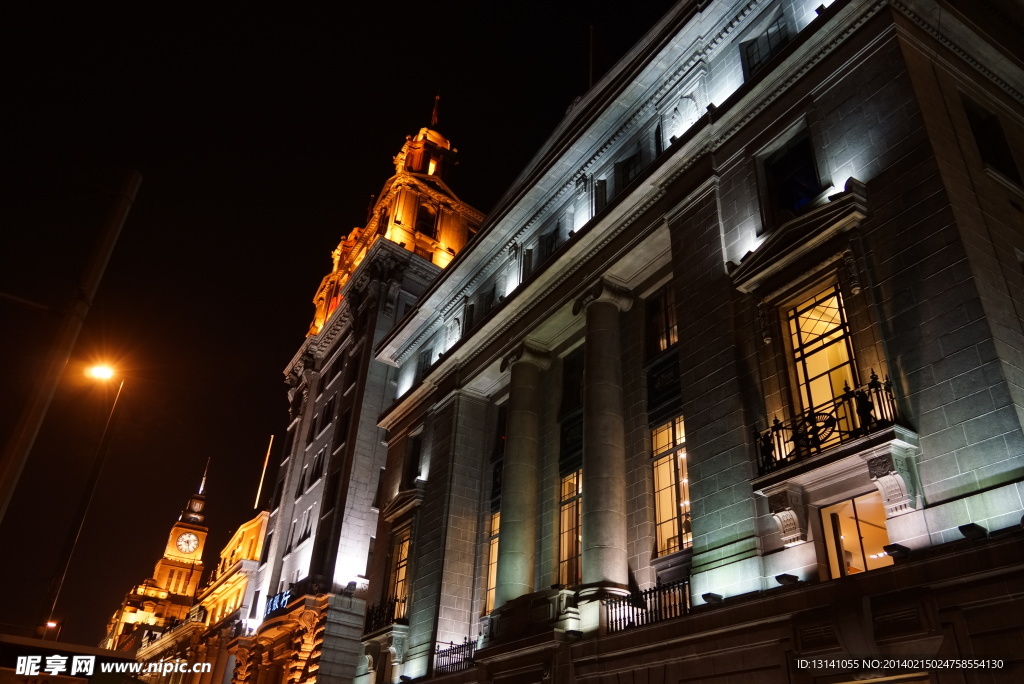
[
  {"x": 311, "y": 578},
  {"x": 733, "y": 375},
  {"x": 164, "y": 600},
  {"x": 223, "y": 610}
]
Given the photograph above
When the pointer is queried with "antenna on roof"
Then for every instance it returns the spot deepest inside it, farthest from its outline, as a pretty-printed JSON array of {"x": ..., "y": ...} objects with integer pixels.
[
  {"x": 202, "y": 485},
  {"x": 433, "y": 117},
  {"x": 266, "y": 460}
]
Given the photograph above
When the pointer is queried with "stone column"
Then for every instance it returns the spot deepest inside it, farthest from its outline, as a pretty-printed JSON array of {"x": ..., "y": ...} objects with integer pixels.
[
  {"x": 520, "y": 474},
  {"x": 605, "y": 561}
]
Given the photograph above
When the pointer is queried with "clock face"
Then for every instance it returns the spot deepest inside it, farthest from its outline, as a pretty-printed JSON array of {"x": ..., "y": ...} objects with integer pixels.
[{"x": 187, "y": 542}]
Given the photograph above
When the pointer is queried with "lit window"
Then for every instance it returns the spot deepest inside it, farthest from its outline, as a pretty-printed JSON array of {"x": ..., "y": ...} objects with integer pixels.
[
  {"x": 671, "y": 488},
  {"x": 662, "y": 327},
  {"x": 492, "y": 560},
  {"x": 822, "y": 353},
  {"x": 570, "y": 530},
  {"x": 758, "y": 51},
  {"x": 399, "y": 582},
  {"x": 856, "y": 526}
]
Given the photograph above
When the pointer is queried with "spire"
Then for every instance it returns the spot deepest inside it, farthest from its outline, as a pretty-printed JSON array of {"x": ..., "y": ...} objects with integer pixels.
[
  {"x": 433, "y": 117},
  {"x": 202, "y": 485}
]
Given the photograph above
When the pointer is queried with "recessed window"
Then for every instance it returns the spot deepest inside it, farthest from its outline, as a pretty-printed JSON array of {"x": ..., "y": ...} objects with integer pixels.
[
  {"x": 757, "y": 52},
  {"x": 855, "y": 535},
  {"x": 792, "y": 178},
  {"x": 426, "y": 221},
  {"x": 398, "y": 582},
  {"x": 991, "y": 141},
  {"x": 671, "y": 488},
  {"x": 627, "y": 170},
  {"x": 570, "y": 530},
  {"x": 662, "y": 327},
  {"x": 492, "y": 560}
]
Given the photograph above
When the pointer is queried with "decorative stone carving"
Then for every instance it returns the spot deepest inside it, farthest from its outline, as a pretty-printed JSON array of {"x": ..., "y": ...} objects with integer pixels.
[
  {"x": 453, "y": 331},
  {"x": 786, "y": 504},
  {"x": 891, "y": 474},
  {"x": 764, "y": 321},
  {"x": 391, "y": 297},
  {"x": 603, "y": 291},
  {"x": 397, "y": 647},
  {"x": 526, "y": 354},
  {"x": 850, "y": 262},
  {"x": 581, "y": 186}
]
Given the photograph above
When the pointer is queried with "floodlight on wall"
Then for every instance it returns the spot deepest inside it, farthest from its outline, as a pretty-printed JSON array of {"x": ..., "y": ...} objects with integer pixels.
[
  {"x": 787, "y": 580},
  {"x": 712, "y": 598},
  {"x": 897, "y": 551},
  {"x": 973, "y": 531},
  {"x": 405, "y": 678}
]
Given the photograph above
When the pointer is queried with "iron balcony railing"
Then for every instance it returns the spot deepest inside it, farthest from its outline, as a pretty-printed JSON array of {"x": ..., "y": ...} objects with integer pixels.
[
  {"x": 660, "y": 602},
  {"x": 855, "y": 413},
  {"x": 454, "y": 657},
  {"x": 384, "y": 614}
]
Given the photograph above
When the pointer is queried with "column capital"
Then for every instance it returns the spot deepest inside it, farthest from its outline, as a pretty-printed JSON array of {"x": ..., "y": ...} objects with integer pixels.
[
  {"x": 525, "y": 353},
  {"x": 603, "y": 291}
]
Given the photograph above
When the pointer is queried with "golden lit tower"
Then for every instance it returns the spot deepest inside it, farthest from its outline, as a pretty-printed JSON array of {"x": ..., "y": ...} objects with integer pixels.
[
  {"x": 311, "y": 578},
  {"x": 163, "y": 600},
  {"x": 416, "y": 210}
]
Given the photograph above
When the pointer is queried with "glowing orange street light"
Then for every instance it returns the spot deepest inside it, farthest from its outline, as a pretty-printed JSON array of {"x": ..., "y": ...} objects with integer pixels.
[{"x": 100, "y": 372}]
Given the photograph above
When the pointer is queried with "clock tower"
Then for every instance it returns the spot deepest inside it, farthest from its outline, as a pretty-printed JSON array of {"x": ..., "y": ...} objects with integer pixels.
[
  {"x": 181, "y": 567},
  {"x": 164, "y": 600}
]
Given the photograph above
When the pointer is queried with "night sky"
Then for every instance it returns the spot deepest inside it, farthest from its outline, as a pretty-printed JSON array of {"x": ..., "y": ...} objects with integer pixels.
[{"x": 261, "y": 136}]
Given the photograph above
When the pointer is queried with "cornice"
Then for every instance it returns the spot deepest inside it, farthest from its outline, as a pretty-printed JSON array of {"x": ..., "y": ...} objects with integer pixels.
[{"x": 956, "y": 49}]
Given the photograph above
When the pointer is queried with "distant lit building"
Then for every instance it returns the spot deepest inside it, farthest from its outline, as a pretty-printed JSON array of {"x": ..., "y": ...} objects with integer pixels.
[
  {"x": 309, "y": 610},
  {"x": 223, "y": 610},
  {"x": 163, "y": 601},
  {"x": 732, "y": 377}
]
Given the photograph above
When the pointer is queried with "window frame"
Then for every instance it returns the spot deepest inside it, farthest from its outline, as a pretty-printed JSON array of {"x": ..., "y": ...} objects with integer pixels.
[
  {"x": 672, "y": 462},
  {"x": 570, "y": 538}
]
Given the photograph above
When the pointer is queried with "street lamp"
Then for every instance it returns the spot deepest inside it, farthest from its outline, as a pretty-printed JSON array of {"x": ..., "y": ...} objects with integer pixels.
[
  {"x": 78, "y": 522},
  {"x": 51, "y": 624}
]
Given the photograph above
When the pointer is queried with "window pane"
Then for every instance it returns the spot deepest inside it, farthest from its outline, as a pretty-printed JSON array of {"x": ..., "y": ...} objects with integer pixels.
[
  {"x": 671, "y": 488},
  {"x": 569, "y": 539},
  {"x": 855, "y": 535}
]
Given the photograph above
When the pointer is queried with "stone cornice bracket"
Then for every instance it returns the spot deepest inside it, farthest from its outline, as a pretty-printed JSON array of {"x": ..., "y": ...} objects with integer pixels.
[
  {"x": 525, "y": 353},
  {"x": 892, "y": 476},
  {"x": 786, "y": 505},
  {"x": 603, "y": 291}
]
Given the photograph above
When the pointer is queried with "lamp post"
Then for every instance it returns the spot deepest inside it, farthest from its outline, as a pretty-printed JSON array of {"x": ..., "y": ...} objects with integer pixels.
[{"x": 78, "y": 522}]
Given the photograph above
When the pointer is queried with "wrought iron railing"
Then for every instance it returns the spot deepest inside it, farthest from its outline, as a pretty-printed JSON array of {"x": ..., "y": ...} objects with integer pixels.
[
  {"x": 660, "y": 602},
  {"x": 454, "y": 657},
  {"x": 855, "y": 413},
  {"x": 384, "y": 614}
]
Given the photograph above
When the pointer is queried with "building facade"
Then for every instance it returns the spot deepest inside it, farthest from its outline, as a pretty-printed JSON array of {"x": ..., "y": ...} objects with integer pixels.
[
  {"x": 311, "y": 578},
  {"x": 731, "y": 378}
]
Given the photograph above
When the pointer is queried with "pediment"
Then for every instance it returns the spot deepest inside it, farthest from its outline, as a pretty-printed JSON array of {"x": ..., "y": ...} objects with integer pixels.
[{"x": 795, "y": 239}]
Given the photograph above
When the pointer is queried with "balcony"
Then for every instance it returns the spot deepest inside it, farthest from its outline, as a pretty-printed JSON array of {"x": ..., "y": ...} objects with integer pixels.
[
  {"x": 385, "y": 614},
  {"x": 855, "y": 413},
  {"x": 660, "y": 602},
  {"x": 454, "y": 657}
]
